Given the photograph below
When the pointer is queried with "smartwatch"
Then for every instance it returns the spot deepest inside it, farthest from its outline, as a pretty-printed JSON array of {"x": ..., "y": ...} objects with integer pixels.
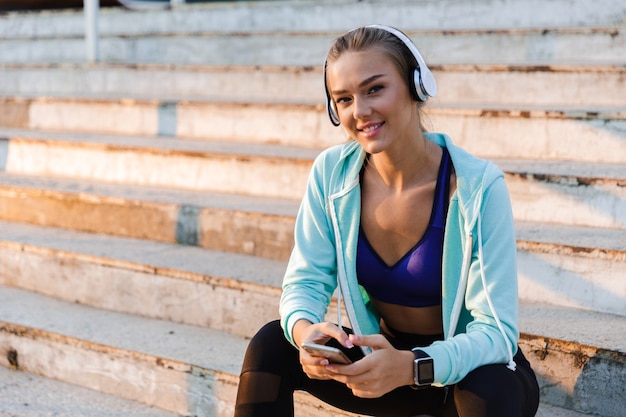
[{"x": 423, "y": 369}]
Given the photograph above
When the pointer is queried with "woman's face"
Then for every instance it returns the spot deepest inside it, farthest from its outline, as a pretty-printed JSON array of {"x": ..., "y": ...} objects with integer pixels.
[{"x": 372, "y": 98}]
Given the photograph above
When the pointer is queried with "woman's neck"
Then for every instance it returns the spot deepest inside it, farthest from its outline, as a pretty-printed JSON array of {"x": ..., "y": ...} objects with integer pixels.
[{"x": 409, "y": 164}]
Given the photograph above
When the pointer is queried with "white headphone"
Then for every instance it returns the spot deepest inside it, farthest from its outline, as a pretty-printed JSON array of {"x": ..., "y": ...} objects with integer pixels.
[{"x": 423, "y": 85}]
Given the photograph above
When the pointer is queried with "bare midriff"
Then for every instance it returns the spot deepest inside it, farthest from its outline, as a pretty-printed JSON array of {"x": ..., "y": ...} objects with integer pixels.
[{"x": 415, "y": 320}]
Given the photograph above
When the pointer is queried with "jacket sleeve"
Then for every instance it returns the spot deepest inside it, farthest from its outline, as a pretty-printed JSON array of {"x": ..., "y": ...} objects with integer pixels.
[
  {"x": 310, "y": 278},
  {"x": 491, "y": 297}
]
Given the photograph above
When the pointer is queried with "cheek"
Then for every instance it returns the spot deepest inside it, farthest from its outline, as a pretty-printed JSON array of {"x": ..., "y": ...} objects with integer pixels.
[{"x": 345, "y": 116}]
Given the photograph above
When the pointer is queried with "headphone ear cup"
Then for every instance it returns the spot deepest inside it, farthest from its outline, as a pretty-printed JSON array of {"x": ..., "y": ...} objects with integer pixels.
[
  {"x": 416, "y": 86},
  {"x": 331, "y": 109},
  {"x": 424, "y": 85},
  {"x": 428, "y": 85}
]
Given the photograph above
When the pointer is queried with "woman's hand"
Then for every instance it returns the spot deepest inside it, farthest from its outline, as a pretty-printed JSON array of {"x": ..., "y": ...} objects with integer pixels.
[
  {"x": 385, "y": 369},
  {"x": 314, "y": 366}
]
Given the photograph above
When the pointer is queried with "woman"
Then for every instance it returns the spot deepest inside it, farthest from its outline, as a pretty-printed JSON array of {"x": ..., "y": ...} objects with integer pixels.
[{"x": 418, "y": 236}]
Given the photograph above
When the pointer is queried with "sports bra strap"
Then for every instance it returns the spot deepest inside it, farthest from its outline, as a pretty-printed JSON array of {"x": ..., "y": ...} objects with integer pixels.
[{"x": 442, "y": 191}]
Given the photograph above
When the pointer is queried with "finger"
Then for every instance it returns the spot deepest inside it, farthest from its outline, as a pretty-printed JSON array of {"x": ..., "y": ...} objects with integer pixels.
[
  {"x": 322, "y": 332},
  {"x": 337, "y": 333},
  {"x": 344, "y": 370},
  {"x": 350, "y": 375},
  {"x": 314, "y": 361},
  {"x": 306, "y": 359},
  {"x": 375, "y": 341},
  {"x": 316, "y": 371},
  {"x": 366, "y": 389},
  {"x": 313, "y": 374}
]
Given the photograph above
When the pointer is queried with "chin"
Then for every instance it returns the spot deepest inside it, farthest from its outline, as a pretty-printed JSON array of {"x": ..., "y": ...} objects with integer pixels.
[{"x": 373, "y": 148}]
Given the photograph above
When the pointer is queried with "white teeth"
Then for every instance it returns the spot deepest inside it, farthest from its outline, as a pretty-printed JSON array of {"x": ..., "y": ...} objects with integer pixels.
[{"x": 370, "y": 128}]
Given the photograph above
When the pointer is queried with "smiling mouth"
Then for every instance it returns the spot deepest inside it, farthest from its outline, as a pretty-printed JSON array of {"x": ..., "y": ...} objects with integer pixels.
[{"x": 371, "y": 128}]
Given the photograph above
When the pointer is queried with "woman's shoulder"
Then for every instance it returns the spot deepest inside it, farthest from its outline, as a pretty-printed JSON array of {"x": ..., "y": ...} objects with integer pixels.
[
  {"x": 475, "y": 179},
  {"x": 465, "y": 163}
]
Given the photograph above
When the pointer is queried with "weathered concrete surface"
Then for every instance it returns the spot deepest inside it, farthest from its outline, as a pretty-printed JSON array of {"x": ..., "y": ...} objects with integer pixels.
[
  {"x": 565, "y": 199},
  {"x": 515, "y": 132},
  {"x": 556, "y": 86},
  {"x": 171, "y": 276},
  {"x": 28, "y": 395},
  {"x": 577, "y": 267},
  {"x": 567, "y": 373},
  {"x": 298, "y": 33},
  {"x": 216, "y": 221},
  {"x": 186, "y": 369},
  {"x": 221, "y": 302},
  {"x": 206, "y": 169},
  {"x": 323, "y": 16},
  {"x": 511, "y": 47},
  {"x": 581, "y": 197},
  {"x": 171, "y": 385}
]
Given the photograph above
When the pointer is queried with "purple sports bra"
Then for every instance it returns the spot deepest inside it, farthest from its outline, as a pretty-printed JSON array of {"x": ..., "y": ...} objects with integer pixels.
[{"x": 415, "y": 280}]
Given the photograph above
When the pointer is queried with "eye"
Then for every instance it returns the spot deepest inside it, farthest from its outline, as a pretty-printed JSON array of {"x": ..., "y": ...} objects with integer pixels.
[
  {"x": 342, "y": 100},
  {"x": 375, "y": 89}
]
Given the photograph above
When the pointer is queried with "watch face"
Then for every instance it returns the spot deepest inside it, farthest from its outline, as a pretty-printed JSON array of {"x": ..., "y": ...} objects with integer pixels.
[{"x": 425, "y": 371}]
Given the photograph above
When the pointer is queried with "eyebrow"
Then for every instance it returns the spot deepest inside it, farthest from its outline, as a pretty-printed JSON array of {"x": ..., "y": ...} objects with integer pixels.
[{"x": 361, "y": 84}]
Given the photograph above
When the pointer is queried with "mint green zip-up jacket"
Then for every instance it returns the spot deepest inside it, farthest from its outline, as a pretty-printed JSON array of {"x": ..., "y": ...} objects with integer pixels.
[{"x": 479, "y": 294}]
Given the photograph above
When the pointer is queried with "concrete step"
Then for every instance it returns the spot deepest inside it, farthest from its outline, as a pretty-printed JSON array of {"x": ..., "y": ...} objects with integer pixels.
[
  {"x": 182, "y": 369},
  {"x": 570, "y": 193},
  {"x": 577, "y": 267},
  {"x": 543, "y": 46},
  {"x": 236, "y": 223},
  {"x": 315, "y": 16},
  {"x": 564, "y": 264},
  {"x": 71, "y": 256},
  {"x": 563, "y": 379},
  {"x": 575, "y": 193},
  {"x": 234, "y": 122},
  {"x": 24, "y": 394},
  {"x": 550, "y": 85},
  {"x": 248, "y": 34},
  {"x": 179, "y": 368},
  {"x": 166, "y": 281},
  {"x": 263, "y": 227},
  {"x": 188, "y": 370},
  {"x": 166, "y": 162},
  {"x": 535, "y": 132}
]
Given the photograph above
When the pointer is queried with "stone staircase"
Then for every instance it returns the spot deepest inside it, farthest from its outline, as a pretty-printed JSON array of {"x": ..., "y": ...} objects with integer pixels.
[{"x": 147, "y": 202}]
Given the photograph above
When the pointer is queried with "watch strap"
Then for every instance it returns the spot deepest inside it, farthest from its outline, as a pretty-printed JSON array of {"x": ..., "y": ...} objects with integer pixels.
[{"x": 419, "y": 354}]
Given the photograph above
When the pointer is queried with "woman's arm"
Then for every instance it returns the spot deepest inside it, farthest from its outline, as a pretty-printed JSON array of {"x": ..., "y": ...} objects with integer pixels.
[
  {"x": 491, "y": 295},
  {"x": 310, "y": 278}
]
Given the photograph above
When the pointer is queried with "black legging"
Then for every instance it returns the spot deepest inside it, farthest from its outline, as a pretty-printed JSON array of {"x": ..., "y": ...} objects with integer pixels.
[{"x": 271, "y": 373}]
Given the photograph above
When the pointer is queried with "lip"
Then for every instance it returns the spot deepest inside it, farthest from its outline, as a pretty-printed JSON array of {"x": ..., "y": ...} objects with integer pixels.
[{"x": 375, "y": 128}]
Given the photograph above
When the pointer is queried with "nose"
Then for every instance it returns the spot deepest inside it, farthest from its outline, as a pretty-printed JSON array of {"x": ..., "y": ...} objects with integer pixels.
[{"x": 361, "y": 108}]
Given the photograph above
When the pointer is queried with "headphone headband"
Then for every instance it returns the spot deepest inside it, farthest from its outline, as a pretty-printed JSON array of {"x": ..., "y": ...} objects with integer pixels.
[{"x": 424, "y": 85}]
